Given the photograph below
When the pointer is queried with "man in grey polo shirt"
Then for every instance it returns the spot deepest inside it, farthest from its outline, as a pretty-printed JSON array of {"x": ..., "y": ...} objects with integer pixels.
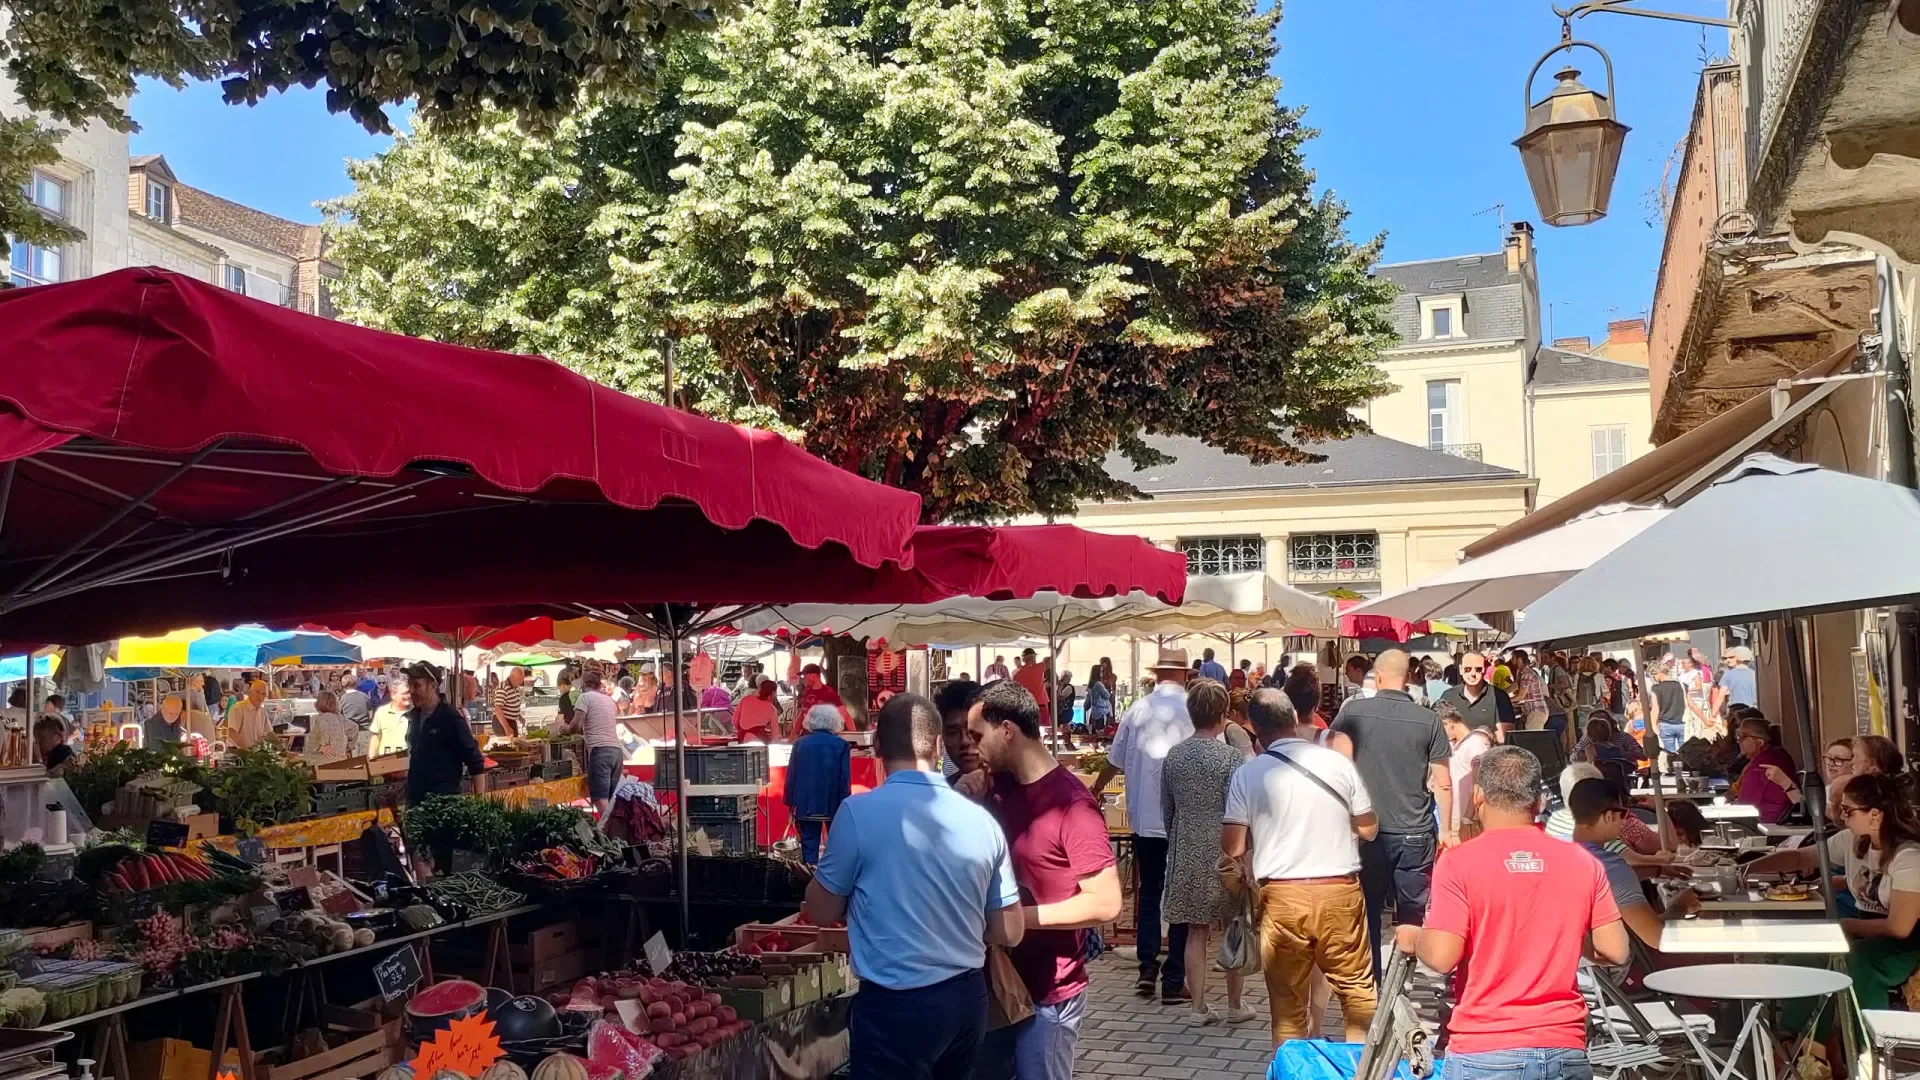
[{"x": 1401, "y": 750}]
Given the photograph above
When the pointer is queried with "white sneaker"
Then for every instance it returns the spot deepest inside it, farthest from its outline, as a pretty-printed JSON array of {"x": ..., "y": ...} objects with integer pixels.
[
  {"x": 1207, "y": 1018},
  {"x": 1241, "y": 1015}
]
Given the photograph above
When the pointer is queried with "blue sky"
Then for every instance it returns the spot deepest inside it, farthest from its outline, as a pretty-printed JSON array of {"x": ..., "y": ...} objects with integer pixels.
[{"x": 1417, "y": 104}]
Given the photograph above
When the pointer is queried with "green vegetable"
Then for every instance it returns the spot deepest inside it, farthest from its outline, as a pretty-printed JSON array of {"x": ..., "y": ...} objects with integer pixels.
[
  {"x": 99, "y": 775},
  {"x": 262, "y": 786},
  {"x": 460, "y": 821},
  {"x": 23, "y": 862}
]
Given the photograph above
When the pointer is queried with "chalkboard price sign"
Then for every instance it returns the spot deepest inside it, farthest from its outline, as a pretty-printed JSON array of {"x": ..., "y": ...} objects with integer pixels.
[
  {"x": 398, "y": 973},
  {"x": 253, "y": 851},
  {"x": 163, "y": 833},
  {"x": 294, "y": 900}
]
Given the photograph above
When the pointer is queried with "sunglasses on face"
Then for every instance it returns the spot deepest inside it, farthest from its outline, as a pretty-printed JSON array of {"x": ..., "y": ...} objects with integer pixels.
[{"x": 1470, "y": 667}]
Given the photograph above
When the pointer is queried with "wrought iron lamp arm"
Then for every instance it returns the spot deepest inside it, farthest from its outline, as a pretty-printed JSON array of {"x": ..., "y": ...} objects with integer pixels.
[{"x": 1623, "y": 7}]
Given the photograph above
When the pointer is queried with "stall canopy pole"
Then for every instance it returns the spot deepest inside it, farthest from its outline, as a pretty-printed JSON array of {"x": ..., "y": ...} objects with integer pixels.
[
  {"x": 1812, "y": 785},
  {"x": 679, "y": 775}
]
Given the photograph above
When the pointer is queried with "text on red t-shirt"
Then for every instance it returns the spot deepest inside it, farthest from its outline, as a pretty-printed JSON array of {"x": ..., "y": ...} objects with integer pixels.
[
  {"x": 1056, "y": 835},
  {"x": 1525, "y": 903}
]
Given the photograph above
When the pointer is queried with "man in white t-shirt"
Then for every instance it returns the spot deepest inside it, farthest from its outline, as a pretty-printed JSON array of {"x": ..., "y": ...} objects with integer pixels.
[
  {"x": 1154, "y": 725},
  {"x": 1297, "y": 813}
]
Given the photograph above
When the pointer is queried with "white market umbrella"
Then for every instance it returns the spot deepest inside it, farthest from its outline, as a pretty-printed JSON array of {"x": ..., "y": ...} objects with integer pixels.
[
  {"x": 1513, "y": 577},
  {"x": 1214, "y": 604}
]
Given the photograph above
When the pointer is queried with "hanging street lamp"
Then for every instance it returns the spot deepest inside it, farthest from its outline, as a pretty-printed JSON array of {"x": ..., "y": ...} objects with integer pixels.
[{"x": 1571, "y": 145}]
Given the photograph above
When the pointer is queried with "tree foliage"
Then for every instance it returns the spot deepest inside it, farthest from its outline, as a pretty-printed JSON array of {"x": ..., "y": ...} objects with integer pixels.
[
  {"x": 75, "y": 61},
  {"x": 24, "y": 146},
  {"x": 965, "y": 249}
]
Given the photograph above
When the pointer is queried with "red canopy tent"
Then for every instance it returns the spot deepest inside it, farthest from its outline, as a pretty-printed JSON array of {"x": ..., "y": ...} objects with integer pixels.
[{"x": 176, "y": 454}]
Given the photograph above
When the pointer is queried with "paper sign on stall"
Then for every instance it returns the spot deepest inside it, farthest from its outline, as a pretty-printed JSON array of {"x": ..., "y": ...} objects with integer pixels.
[
  {"x": 659, "y": 957},
  {"x": 467, "y": 1046}
]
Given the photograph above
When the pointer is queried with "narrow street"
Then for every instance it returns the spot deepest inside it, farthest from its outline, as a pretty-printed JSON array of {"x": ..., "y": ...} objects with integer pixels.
[{"x": 1125, "y": 1036}]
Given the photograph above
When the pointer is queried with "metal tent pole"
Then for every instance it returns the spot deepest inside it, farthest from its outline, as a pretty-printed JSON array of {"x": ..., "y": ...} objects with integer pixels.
[
  {"x": 679, "y": 780},
  {"x": 1812, "y": 784}
]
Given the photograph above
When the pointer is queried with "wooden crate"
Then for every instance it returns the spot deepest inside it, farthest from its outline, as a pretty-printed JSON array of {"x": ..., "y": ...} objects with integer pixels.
[
  {"x": 361, "y": 1057},
  {"x": 557, "y": 939},
  {"x": 563, "y": 970}
]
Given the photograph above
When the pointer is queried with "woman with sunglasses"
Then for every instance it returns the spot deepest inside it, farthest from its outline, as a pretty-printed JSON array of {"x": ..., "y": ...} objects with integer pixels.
[{"x": 1879, "y": 847}]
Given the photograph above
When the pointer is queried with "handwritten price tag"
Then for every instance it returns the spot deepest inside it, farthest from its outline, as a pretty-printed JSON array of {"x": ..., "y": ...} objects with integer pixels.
[{"x": 466, "y": 1046}]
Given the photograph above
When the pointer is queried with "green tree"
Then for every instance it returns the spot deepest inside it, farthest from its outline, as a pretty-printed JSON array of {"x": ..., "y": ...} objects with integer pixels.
[
  {"x": 73, "y": 61},
  {"x": 968, "y": 250}
]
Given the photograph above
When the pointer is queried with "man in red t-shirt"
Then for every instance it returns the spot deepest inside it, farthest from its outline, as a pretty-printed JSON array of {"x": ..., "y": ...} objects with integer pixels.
[
  {"x": 815, "y": 691},
  {"x": 1032, "y": 674},
  {"x": 1063, "y": 861},
  {"x": 1510, "y": 915}
]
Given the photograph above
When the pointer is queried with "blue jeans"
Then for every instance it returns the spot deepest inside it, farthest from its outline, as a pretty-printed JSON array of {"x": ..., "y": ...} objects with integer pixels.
[
  {"x": 810, "y": 830},
  {"x": 1037, "y": 1048},
  {"x": 1150, "y": 855},
  {"x": 1671, "y": 736},
  {"x": 1556, "y": 1064},
  {"x": 930, "y": 1033}
]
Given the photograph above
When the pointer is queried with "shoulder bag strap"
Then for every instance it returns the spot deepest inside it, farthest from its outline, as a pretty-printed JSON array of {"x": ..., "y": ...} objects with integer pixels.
[{"x": 1311, "y": 775}]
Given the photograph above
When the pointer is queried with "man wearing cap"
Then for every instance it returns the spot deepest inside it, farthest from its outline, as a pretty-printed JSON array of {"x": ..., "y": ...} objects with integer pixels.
[
  {"x": 1736, "y": 685},
  {"x": 1155, "y": 725},
  {"x": 439, "y": 742}
]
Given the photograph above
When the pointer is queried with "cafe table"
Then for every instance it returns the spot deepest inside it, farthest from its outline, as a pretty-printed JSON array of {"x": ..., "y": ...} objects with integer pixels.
[
  {"x": 1730, "y": 812},
  {"x": 1757, "y": 987},
  {"x": 1753, "y": 937},
  {"x": 1755, "y": 902}
]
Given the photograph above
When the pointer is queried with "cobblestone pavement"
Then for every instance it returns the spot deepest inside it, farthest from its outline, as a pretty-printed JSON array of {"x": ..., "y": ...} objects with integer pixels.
[{"x": 1126, "y": 1036}]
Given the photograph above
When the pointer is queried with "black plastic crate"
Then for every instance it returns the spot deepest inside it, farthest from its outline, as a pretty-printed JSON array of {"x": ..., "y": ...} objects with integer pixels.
[
  {"x": 346, "y": 800},
  {"x": 731, "y": 836},
  {"x": 714, "y": 765},
  {"x": 722, "y": 806},
  {"x": 553, "y": 770}
]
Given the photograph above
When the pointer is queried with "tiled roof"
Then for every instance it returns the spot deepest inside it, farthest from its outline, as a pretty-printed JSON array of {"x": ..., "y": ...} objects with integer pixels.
[
  {"x": 1362, "y": 459},
  {"x": 1563, "y": 367},
  {"x": 204, "y": 210},
  {"x": 1493, "y": 308}
]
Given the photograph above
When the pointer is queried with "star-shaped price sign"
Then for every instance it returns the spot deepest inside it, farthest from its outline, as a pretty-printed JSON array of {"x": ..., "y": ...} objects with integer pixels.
[{"x": 466, "y": 1046}]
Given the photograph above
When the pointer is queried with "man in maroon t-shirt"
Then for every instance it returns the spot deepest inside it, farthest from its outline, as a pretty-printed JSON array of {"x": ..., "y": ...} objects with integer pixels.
[
  {"x": 1510, "y": 915},
  {"x": 1063, "y": 861}
]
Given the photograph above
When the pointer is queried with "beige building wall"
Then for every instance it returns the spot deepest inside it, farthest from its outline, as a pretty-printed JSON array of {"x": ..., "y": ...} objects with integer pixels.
[
  {"x": 153, "y": 244},
  {"x": 1565, "y": 420},
  {"x": 1492, "y": 394},
  {"x": 1421, "y": 527}
]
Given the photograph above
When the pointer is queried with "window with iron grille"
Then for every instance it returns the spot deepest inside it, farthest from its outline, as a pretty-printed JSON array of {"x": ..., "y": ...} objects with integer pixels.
[
  {"x": 1211, "y": 555},
  {"x": 1333, "y": 556}
]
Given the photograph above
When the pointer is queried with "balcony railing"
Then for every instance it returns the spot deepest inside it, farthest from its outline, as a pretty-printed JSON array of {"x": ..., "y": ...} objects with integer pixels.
[
  {"x": 1708, "y": 206},
  {"x": 1774, "y": 35},
  {"x": 1469, "y": 450}
]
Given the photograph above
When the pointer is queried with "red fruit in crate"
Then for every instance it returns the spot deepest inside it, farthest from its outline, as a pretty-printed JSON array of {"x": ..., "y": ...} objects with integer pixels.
[
  {"x": 679, "y": 1020},
  {"x": 712, "y": 999},
  {"x": 726, "y": 1014},
  {"x": 750, "y": 949},
  {"x": 660, "y": 1008}
]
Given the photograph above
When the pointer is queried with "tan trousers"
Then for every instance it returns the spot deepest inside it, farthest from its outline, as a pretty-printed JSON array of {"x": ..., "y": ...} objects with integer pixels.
[{"x": 1308, "y": 926}]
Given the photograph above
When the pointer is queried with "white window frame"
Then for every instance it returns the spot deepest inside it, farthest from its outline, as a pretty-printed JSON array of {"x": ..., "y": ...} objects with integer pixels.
[
  {"x": 162, "y": 189},
  {"x": 233, "y": 278},
  {"x": 1610, "y": 456},
  {"x": 29, "y": 273},
  {"x": 60, "y": 184},
  {"x": 1341, "y": 556},
  {"x": 1454, "y": 304},
  {"x": 1452, "y": 414}
]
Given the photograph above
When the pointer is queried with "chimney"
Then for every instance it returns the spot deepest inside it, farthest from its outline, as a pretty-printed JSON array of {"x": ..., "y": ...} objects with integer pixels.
[
  {"x": 1627, "y": 332},
  {"x": 1574, "y": 344},
  {"x": 1519, "y": 246}
]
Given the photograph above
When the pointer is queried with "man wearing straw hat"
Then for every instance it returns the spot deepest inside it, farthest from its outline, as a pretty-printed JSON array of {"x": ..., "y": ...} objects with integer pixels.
[{"x": 1156, "y": 724}]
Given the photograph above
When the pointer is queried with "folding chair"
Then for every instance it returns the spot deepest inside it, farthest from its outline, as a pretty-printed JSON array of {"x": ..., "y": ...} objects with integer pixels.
[{"x": 1636, "y": 1038}]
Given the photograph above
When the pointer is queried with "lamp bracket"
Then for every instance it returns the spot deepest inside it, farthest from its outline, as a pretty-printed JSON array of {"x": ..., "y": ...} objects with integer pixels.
[{"x": 1624, "y": 7}]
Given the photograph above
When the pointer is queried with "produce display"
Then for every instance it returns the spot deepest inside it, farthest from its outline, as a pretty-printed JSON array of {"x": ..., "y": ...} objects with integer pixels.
[
  {"x": 478, "y": 893},
  {"x": 677, "y": 1017}
]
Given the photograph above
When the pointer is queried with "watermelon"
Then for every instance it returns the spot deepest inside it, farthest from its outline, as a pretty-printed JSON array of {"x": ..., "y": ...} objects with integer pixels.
[{"x": 441, "y": 1004}]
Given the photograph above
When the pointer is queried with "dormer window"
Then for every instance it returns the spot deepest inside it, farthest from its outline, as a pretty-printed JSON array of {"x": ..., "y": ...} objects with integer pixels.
[
  {"x": 1440, "y": 318},
  {"x": 157, "y": 194}
]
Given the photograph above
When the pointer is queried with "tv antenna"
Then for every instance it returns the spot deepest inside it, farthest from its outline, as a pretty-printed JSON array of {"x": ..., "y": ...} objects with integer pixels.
[{"x": 1499, "y": 210}]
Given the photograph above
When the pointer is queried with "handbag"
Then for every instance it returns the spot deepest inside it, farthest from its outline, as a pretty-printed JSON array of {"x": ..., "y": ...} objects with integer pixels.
[
  {"x": 1008, "y": 1000},
  {"x": 1239, "y": 951}
]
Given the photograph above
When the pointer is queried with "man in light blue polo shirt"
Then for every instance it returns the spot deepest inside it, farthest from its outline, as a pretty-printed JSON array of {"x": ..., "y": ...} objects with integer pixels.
[{"x": 921, "y": 875}]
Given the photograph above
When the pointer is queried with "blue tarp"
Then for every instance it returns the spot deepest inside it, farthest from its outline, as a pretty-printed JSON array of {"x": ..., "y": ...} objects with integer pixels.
[
  {"x": 14, "y": 668},
  {"x": 1311, "y": 1059},
  {"x": 309, "y": 649}
]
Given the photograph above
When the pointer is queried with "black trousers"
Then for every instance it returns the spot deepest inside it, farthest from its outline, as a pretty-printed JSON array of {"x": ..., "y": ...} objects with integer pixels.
[
  {"x": 1150, "y": 854},
  {"x": 930, "y": 1033},
  {"x": 1396, "y": 866}
]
